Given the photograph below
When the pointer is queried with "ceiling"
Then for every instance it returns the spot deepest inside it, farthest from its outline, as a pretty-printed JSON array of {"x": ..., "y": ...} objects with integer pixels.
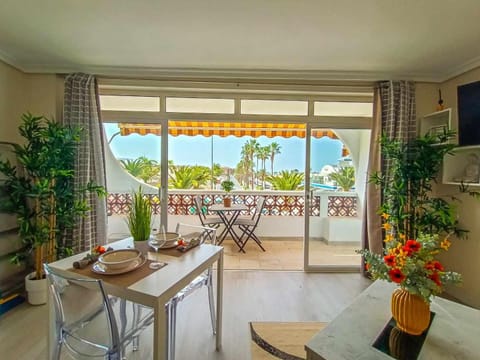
[{"x": 427, "y": 40}]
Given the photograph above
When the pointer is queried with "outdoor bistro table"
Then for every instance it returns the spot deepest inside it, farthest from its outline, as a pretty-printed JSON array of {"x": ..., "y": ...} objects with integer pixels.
[
  {"x": 157, "y": 288},
  {"x": 228, "y": 216}
]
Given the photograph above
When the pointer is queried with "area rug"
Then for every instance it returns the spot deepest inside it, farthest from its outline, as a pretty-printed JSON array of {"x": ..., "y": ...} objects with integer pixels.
[{"x": 282, "y": 340}]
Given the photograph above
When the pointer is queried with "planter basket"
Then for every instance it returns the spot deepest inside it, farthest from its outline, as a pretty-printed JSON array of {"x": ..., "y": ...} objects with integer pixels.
[{"x": 36, "y": 289}]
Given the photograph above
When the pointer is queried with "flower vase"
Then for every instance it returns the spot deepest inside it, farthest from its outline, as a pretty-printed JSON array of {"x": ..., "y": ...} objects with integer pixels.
[
  {"x": 410, "y": 311},
  {"x": 142, "y": 246}
]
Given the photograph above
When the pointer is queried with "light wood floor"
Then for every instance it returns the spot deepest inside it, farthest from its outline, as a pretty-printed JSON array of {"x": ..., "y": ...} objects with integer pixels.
[
  {"x": 248, "y": 296},
  {"x": 287, "y": 255}
]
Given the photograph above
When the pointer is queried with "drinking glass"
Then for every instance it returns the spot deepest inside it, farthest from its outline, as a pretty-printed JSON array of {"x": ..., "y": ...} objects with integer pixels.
[{"x": 156, "y": 242}]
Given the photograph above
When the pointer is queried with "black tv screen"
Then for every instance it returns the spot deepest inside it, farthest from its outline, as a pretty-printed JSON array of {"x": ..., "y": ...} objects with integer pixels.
[{"x": 469, "y": 114}]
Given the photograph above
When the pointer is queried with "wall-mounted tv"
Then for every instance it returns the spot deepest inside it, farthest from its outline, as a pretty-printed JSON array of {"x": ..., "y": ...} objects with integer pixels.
[{"x": 469, "y": 114}]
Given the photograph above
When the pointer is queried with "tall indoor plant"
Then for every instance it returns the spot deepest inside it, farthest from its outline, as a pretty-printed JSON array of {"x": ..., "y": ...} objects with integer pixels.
[
  {"x": 40, "y": 191},
  {"x": 416, "y": 227}
]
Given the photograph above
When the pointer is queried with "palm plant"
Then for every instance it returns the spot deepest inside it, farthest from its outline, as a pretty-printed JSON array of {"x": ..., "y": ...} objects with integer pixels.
[
  {"x": 41, "y": 191},
  {"x": 248, "y": 153},
  {"x": 274, "y": 150},
  {"x": 287, "y": 180},
  {"x": 344, "y": 177},
  {"x": 133, "y": 166},
  {"x": 407, "y": 195},
  {"x": 142, "y": 168},
  {"x": 139, "y": 218},
  {"x": 181, "y": 177}
]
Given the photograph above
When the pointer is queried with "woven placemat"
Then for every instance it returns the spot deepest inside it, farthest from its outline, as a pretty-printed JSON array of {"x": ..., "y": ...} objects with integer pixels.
[{"x": 124, "y": 280}]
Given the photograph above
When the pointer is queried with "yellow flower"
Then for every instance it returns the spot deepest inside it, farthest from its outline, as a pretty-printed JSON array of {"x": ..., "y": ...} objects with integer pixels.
[
  {"x": 388, "y": 238},
  {"x": 402, "y": 236},
  {"x": 385, "y": 216},
  {"x": 445, "y": 244},
  {"x": 387, "y": 226}
]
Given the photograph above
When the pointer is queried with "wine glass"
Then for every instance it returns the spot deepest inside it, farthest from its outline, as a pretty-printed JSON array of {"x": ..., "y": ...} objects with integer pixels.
[{"x": 156, "y": 242}]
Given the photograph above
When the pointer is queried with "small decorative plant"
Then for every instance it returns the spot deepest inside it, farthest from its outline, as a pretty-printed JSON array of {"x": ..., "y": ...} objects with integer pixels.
[
  {"x": 227, "y": 185},
  {"x": 416, "y": 224},
  {"x": 139, "y": 218}
]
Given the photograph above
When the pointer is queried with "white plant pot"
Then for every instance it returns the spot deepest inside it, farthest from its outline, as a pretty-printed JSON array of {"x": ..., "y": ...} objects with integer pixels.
[{"x": 36, "y": 289}]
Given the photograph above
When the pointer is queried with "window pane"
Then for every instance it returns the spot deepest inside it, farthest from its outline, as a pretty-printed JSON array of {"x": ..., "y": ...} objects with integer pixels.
[
  {"x": 205, "y": 106},
  {"x": 342, "y": 109},
  {"x": 274, "y": 107},
  {"x": 129, "y": 103}
]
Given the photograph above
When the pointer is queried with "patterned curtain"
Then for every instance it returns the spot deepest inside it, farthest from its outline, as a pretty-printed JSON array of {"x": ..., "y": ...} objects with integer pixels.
[
  {"x": 394, "y": 115},
  {"x": 82, "y": 108}
]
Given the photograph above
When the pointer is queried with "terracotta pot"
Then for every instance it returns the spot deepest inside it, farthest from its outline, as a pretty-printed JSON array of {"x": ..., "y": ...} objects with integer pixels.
[
  {"x": 227, "y": 202},
  {"x": 410, "y": 311}
]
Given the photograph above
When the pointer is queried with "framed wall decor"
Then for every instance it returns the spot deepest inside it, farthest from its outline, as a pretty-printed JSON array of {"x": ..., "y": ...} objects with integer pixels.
[{"x": 7, "y": 221}]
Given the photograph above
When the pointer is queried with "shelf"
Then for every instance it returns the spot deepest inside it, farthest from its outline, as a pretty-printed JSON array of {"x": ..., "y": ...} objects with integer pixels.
[
  {"x": 455, "y": 166},
  {"x": 436, "y": 122}
]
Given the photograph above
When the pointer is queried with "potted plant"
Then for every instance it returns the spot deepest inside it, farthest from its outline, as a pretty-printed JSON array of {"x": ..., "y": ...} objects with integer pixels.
[
  {"x": 416, "y": 228},
  {"x": 40, "y": 193},
  {"x": 227, "y": 186},
  {"x": 139, "y": 219}
]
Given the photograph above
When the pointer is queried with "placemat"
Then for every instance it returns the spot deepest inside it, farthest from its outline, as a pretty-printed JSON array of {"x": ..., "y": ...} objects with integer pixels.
[
  {"x": 124, "y": 280},
  {"x": 174, "y": 252}
]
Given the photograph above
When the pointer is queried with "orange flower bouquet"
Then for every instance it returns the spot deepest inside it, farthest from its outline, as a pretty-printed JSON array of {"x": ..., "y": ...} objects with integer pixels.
[{"x": 411, "y": 263}]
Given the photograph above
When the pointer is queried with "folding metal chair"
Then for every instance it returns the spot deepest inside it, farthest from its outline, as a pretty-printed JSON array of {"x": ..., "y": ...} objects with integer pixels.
[{"x": 248, "y": 225}]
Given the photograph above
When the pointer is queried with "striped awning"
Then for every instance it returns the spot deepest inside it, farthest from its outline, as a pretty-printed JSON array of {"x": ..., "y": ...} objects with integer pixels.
[{"x": 223, "y": 129}]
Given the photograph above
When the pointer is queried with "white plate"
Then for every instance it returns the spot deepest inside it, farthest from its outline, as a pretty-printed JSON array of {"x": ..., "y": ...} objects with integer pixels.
[{"x": 99, "y": 268}]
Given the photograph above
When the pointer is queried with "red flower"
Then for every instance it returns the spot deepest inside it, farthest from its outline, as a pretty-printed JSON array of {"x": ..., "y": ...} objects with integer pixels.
[
  {"x": 435, "y": 278},
  {"x": 412, "y": 246},
  {"x": 367, "y": 266},
  {"x": 389, "y": 260},
  {"x": 396, "y": 275},
  {"x": 434, "y": 266},
  {"x": 99, "y": 249}
]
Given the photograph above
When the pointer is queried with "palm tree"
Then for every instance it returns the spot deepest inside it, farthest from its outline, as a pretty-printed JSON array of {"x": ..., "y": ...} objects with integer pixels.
[
  {"x": 263, "y": 154},
  {"x": 242, "y": 172},
  {"x": 248, "y": 152},
  {"x": 132, "y": 166},
  {"x": 274, "y": 150},
  {"x": 287, "y": 180},
  {"x": 344, "y": 177},
  {"x": 181, "y": 177}
]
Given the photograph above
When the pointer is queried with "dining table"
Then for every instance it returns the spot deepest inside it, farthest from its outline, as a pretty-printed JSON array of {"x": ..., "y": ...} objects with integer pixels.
[
  {"x": 228, "y": 215},
  {"x": 156, "y": 288}
]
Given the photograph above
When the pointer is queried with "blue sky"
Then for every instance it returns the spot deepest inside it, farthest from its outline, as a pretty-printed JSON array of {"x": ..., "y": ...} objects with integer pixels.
[{"x": 196, "y": 150}]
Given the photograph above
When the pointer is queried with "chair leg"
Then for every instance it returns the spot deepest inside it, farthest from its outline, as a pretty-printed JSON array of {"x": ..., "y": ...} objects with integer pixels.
[
  {"x": 173, "y": 329},
  {"x": 58, "y": 350},
  {"x": 211, "y": 302}
]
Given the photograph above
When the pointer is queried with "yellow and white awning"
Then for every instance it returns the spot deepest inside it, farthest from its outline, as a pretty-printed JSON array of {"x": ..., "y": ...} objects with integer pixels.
[{"x": 224, "y": 129}]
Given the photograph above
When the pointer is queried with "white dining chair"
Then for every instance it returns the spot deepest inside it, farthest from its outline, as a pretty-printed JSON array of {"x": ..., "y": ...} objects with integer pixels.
[
  {"x": 87, "y": 319},
  {"x": 202, "y": 234}
]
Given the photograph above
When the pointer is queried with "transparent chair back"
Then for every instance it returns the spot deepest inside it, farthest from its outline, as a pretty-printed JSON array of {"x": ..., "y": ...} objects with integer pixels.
[
  {"x": 203, "y": 234},
  {"x": 84, "y": 318}
]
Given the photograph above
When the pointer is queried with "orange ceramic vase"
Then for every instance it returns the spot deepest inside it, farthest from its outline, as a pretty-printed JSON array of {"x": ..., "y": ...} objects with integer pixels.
[{"x": 410, "y": 311}]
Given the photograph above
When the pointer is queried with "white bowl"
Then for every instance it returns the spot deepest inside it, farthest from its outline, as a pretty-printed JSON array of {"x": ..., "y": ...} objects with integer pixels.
[
  {"x": 171, "y": 237},
  {"x": 119, "y": 259}
]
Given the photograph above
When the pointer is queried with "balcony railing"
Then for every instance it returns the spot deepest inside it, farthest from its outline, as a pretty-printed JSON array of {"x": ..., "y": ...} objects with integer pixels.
[{"x": 277, "y": 203}]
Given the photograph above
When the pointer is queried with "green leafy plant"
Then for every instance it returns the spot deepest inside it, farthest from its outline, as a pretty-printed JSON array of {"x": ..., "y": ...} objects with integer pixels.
[
  {"x": 40, "y": 190},
  {"x": 416, "y": 224},
  {"x": 287, "y": 180},
  {"x": 227, "y": 185},
  {"x": 139, "y": 217},
  {"x": 344, "y": 177}
]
